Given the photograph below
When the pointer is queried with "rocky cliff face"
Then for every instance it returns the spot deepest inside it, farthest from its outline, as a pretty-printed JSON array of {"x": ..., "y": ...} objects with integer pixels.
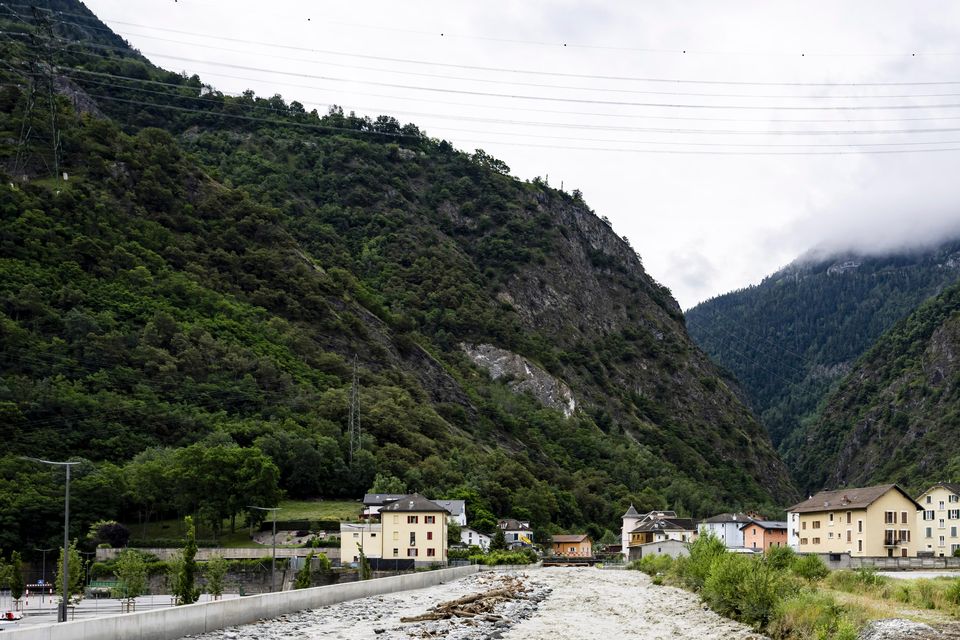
[
  {"x": 522, "y": 376},
  {"x": 894, "y": 417}
]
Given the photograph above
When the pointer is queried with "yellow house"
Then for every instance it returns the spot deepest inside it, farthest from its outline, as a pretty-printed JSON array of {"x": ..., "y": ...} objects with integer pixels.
[
  {"x": 937, "y": 529},
  {"x": 414, "y": 528},
  {"x": 359, "y": 535},
  {"x": 866, "y": 522}
]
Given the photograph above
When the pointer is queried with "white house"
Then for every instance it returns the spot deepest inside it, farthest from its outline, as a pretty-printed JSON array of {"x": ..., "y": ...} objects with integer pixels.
[
  {"x": 457, "y": 509},
  {"x": 517, "y": 533},
  {"x": 472, "y": 537},
  {"x": 655, "y": 526},
  {"x": 726, "y": 527},
  {"x": 360, "y": 535}
]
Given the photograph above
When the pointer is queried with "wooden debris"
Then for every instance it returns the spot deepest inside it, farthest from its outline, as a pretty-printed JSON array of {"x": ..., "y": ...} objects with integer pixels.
[{"x": 474, "y": 606}]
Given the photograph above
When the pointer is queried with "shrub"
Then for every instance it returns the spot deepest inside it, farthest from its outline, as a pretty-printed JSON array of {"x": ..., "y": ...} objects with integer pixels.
[
  {"x": 857, "y": 581},
  {"x": 780, "y": 558},
  {"x": 805, "y": 615},
  {"x": 502, "y": 557},
  {"x": 924, "y": 594},
  {"x": 724, "y": 585},
  {"x": 764, "y": 588},
  {"x": 810, "y": 567},
  {"x": 652, "y": 565},
  {"x": 952, "y": 593},
  {"x": 693, "y": 570}
]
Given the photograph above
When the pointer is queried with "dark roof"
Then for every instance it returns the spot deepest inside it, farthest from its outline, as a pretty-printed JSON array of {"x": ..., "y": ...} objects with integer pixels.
[
  {"x": 666, "y": 524},
  {"x": 455, "y": 507},
  {"x": 374, "y": 499},
  {"x": 728, "y": 517},
  {"x": 843, "y": 499},
  {"x": 412, "y": 503},
  {"x": 631, "y": 513},
  {"x": 949, "y": 486},
  {"x": 576, "y": 537},
  {"x": 767, "y": 524},
  {"x": 510, "y": 524}
]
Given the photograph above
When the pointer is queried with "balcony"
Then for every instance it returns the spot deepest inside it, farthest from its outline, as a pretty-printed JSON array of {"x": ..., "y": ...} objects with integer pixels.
[{"x": 894, "y": 541}]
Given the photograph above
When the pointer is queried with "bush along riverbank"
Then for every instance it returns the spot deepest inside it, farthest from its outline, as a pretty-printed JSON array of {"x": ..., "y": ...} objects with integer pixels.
[{"x": 793, "y": 597}]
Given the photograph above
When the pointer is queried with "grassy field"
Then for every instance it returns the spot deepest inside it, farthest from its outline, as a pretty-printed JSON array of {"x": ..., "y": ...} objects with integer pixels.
[{"x": 289, "y": 510}]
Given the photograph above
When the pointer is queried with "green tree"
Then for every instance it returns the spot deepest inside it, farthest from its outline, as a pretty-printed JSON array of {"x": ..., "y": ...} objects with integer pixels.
[
  {"x": 17, "y": 583},
  {"x": 185, "y": 590},
  {"x": 499, "y": 541},
  {"x": 215, "y": 571},
  {"x": 453, "y": 533},
  {"x": 365, "y": 572},
  {"x": 304, "y": 577},
  {"x": 131, "y": 572},
  {"x": 75, "y": 578},
  {"x": 386, "y": 483}
]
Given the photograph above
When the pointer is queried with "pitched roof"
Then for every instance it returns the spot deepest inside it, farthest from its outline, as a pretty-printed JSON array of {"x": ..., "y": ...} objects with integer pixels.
[
  {"x": 413, "y": 503},
  {"x": 949, "y": 486},
  {"x": 767, "y": 524},
  {"x": 631, "y": 512},
  {"x": 455, "y": 507},
  {"x": 510, "y": 524},
  {"x": 374, "y": 499},
  {"x": 576, "y": 537},
  {"x": 666, "y": 524},
  {"x": 739, "y": 518},
  {"x": 843, "y": 499}
]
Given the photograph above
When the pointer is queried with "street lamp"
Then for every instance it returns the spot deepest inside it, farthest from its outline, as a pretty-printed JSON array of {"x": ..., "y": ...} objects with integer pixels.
[
  {"x": 273, "y": 558},
  {"x": 62, "y": 609},
  {"x": 43, "y": 571}
]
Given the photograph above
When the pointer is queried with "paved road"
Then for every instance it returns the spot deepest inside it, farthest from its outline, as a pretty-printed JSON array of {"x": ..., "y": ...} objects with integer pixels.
[{"x": 44, "y": 611}]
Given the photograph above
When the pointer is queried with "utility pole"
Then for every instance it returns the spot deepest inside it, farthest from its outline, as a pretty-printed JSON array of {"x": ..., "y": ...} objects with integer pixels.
[
  {"x": 62, "y": 609},
  {"x": 273, "y": 557},
  {"x": 354, "y": 420}
]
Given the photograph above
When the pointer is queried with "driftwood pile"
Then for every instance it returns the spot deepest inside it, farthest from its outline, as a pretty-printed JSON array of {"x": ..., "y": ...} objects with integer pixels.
[{"x": 477, "y": 606}]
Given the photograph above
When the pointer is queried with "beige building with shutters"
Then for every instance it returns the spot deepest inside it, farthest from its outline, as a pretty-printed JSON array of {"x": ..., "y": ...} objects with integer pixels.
[
  {"x": 877, "y": 521},
  {"x": 939, "y": 524},
  {"x": 414, "y": 528}
]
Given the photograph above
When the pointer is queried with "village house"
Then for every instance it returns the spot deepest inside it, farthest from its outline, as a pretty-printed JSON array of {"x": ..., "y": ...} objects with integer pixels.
[
  {"x": 472, "y": 537},
  {"x": 672, "y": 548},
  {"x": 457, "y": 510},
  {"x": 937, "y": 530},
  {"x": 655, "y": 526},
  {"x": 355, "y": 536},
  {"x": 760, "y": 535},
  {"x": 864, "y": 522},
  {"x": 414, "y": 528},
  {"x": 727, "y": 527},
  {"x": 373, "y": 502},
  {"x": 517, "y": 533},
  {"x": 572, "y": 546}
]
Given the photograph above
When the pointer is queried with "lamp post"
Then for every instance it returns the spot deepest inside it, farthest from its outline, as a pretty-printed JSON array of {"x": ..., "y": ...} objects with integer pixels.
[
  {"x": 62, "y": 609},
  {"x": 43, "y": 571},
  {"x": 273, "y": 557}
]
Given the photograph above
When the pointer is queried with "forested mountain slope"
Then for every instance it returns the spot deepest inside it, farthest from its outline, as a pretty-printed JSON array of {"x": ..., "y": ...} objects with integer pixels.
[
  {"x": 193, "y": 299},
  {"x": 789, "y": 339},
  {"x": 896, "y": 416}
]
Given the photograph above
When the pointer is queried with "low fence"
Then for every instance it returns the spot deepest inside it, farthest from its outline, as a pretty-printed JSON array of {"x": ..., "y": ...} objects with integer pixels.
[
  {"x": 176, "y": 622},
  {"x": 240, "y": 553}
]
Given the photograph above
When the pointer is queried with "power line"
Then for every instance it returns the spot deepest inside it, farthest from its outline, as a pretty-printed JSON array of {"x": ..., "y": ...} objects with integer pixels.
[{"x": 538, "y": 72}]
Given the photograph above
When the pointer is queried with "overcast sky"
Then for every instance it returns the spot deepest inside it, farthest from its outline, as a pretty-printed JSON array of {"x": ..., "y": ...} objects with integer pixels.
[{"x": 703, "y": 223}]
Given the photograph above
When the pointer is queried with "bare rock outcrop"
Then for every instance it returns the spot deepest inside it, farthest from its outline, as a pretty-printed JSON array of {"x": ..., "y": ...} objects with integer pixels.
[{"x": 524, "y": 376}]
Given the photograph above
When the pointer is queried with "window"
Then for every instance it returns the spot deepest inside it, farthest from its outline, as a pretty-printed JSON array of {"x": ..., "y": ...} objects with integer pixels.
[
  {"x": 431, "y": 552},
  {"x": 816, "y": 524},
  {"x": 954, "y": 547},
  {"x": 903, "y": 517},
  {"x": 941, "y": 541},
  {"x": 831, "y": 519},
  {"x": 889, "y": 517},
  {"x": 413, "y": 538},
  {"x": 929, "y": 532},
  {"x": 430, "y": 519},
  {"x": 803, "y": 525},
  {"x": 904, "y": 535},
  {"x": 929, "y": 499},
  {"x": 953, "y": 532},
  {"x": 942, "y": 524},
  {"x": 953, "y": 499},
  {"x": 356, "y": 535},
  {"x": 849, "y": 535},
  {"x": 859, "y": 526},
  {"x": 816, "y": 541},
  {"x": 803, "y": 541},
  {"x": 848, "y": 517},
  {"x": 928, "y": 515},
  {"x": 396, "y": 535},
  {"x": 396, "y": 552},
  {"x": 859, "y": 545},
  {"x": 941, "y": 505},
  {"x": 830, "y": 536},
  {"x": 429, "y": 535},
  {"x": 413, "y": 519},
  {"x": 953, "y": 514},
  {"x": 396, "y": 519},
  {"x": 411, "y": 553}
]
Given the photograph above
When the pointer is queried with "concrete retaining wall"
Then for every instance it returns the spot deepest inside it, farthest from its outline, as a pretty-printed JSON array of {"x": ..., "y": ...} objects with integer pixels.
[
  {"x": 240, "y": 553},
  {"x": 176, "y": 622},
  {"x": 845, "y": 561}
]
